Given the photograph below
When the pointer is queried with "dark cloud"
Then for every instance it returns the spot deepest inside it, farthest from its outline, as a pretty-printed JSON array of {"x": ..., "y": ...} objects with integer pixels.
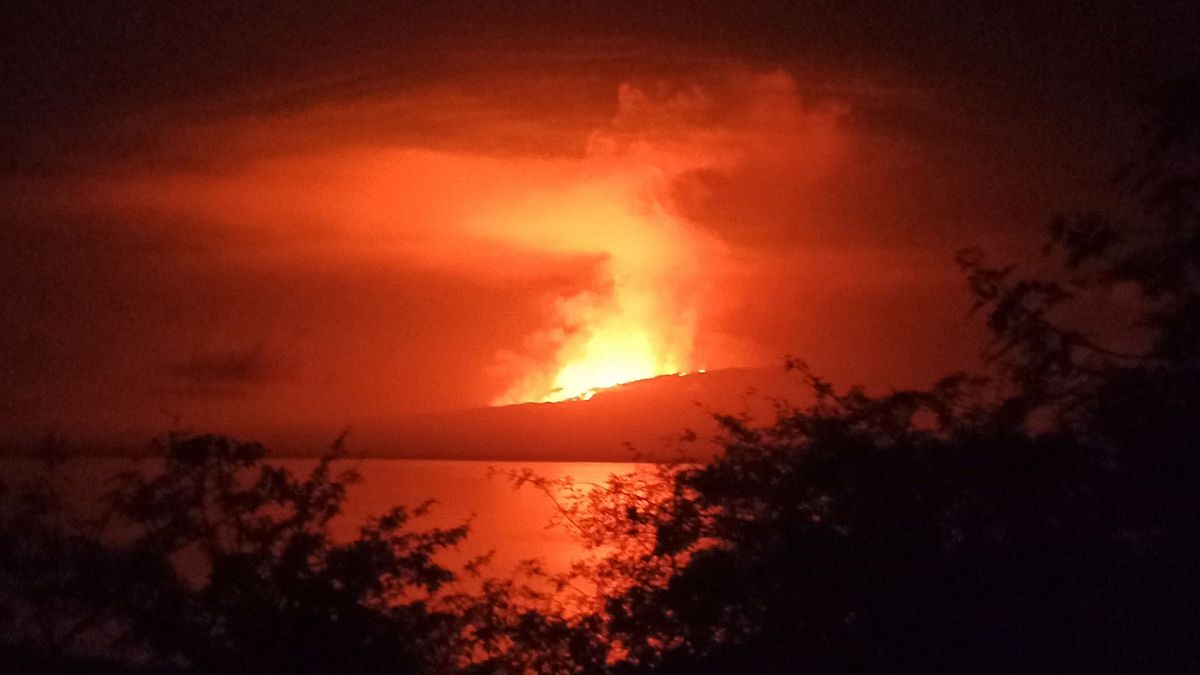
[
  {"x": 231, "y": 372},
  {"x": 72, "y": 73}
]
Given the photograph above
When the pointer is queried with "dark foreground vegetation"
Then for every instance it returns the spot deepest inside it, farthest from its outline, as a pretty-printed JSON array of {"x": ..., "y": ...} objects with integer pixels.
[{"x": 1042, "y": 518}]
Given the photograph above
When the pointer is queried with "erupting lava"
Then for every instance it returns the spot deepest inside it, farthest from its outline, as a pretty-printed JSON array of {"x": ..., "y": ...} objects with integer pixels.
[
  {"x": 632, "y": 332},
  {"x": 609, "y": 360},
  {"x": 637, "y": 317}
]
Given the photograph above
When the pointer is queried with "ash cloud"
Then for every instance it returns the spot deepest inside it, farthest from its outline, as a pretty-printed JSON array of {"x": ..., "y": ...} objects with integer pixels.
[{"x": 231, "y": 372}]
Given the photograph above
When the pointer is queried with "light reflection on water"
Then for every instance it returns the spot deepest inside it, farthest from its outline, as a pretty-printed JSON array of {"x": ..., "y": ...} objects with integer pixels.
[{"x": 514, "y": 523}]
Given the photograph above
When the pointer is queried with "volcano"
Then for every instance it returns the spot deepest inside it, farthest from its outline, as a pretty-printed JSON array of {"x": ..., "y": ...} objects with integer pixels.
[{"x": 645, "y": 420}]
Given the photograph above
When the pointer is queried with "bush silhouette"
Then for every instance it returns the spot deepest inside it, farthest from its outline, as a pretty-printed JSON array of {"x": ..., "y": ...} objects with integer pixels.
[
  {"x": 227, "y": 565},
  {"x": 1041, "y": 518}
]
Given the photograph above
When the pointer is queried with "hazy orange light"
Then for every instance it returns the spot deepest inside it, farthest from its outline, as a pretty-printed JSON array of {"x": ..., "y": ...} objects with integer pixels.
[
  {"x": 610, "y": 358},
  {"x": 622, "y": 237}
]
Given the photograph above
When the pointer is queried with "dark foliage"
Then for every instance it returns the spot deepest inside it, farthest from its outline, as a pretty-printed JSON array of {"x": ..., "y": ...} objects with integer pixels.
[
  {"x": 1041, "y": 520},
  {"x": 219, "y": 563}
]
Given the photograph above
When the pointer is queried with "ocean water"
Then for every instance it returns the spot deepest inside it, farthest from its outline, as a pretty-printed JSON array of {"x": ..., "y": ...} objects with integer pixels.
[{"x": 513, "y": 524}]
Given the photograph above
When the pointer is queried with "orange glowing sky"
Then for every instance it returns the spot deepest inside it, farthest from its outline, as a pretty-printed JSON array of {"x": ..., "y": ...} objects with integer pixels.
[{"x": 346, "y": 231}]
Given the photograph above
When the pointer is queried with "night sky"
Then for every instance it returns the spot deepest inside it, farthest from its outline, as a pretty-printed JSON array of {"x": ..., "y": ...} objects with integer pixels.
[{"x": 219, "y": 214}]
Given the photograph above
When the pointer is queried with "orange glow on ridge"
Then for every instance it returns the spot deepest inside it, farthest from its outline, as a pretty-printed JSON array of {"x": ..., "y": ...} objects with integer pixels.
[{"x": 610, "y": 359}]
